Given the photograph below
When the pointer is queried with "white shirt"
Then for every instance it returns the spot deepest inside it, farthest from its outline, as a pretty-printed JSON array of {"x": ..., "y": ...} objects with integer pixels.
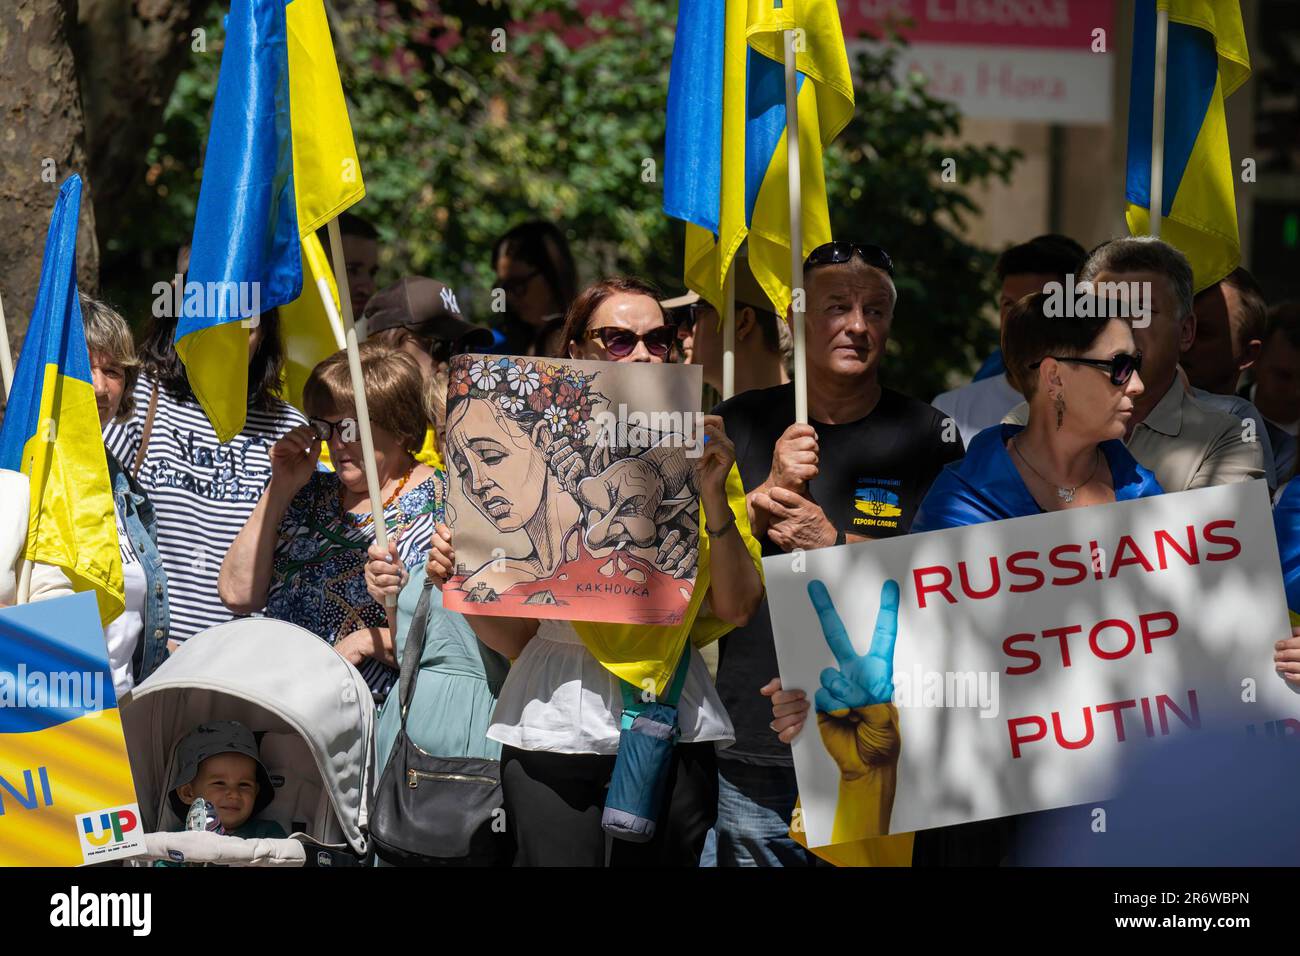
[
  {"x": 558, "y": 698},
  {"x": 47, "y": 580},
  {"x": 979, "y": 405},
  {"x": 123, "y": 632}
]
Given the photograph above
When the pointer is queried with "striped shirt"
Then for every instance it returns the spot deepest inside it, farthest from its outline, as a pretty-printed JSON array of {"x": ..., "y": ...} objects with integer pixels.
[{"x": 202, "y": 491}]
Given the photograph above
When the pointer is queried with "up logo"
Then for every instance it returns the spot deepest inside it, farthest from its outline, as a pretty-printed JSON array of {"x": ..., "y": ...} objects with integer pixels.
[{"x": 112, "y": 832}]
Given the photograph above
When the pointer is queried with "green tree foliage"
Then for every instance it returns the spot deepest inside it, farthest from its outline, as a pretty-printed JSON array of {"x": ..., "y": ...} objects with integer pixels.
[{"x": 460, "y": 139}]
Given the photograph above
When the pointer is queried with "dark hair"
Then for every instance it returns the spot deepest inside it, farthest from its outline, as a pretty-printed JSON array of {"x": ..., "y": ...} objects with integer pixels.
[
  {"x": 1254, "y": 307},
  {"x": 541, "y": 245},
  {"x": 589, "y": 300},
  {"x": 1029, "y": 335},
  {"x": 1051, "y": 255},
  {"x": 351, "y": 224},
  {"x": 1284, "y": 319},
  {"x": 158, "y": 360}
]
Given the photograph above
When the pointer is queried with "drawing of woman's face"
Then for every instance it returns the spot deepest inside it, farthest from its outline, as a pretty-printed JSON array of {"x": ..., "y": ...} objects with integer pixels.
[{"x": 501, "y": 470}]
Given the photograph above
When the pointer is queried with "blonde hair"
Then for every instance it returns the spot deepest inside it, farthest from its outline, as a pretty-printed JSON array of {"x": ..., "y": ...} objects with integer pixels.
[{"x": 107, "y": 334}]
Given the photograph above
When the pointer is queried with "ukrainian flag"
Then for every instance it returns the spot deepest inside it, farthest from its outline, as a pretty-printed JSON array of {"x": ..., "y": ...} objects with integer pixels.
[
  {"x": 1207, "y": 62},
  {"x": 67, "y": 796},
  {"x": 725, "y": 167},
  {"x": 51, "y": 427},
  {"x": 280, "y": 162},
  {"x": 1286, "y": 524}
]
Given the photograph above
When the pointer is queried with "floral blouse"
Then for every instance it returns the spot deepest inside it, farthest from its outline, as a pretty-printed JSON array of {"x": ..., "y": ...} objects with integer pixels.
[{"x": 318, "y": 579}]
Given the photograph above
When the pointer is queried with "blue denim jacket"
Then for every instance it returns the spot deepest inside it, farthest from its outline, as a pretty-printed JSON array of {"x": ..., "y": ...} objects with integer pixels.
[{"x": 142, "y": 528}]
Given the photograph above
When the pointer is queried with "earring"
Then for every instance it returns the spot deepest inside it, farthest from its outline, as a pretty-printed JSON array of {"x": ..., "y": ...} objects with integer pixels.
[{"x": 1060, "y": 410}]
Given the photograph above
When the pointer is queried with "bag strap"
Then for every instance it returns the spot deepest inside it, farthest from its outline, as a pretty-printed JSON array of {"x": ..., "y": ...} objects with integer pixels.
[
  {"x": 413, "y": 650},
  {"x": 145, "y": 432},
  {"x": 633, "y": 703}
]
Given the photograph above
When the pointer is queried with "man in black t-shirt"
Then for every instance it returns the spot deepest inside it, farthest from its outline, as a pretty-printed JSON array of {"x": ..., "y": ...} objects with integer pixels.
[{"x": 857, "y": 471}]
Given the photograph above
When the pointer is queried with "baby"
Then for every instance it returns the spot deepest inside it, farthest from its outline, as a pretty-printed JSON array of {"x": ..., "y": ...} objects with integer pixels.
[{"x": 219, "y": 762}]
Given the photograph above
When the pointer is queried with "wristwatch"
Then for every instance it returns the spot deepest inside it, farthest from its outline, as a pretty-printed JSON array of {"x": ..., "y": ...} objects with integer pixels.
[{"x": 841, "y": 537}]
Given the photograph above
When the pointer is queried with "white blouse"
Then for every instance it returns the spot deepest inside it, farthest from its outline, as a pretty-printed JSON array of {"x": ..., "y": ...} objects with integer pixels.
[
  {"x": 47, "y": 580},
  {"x": 558, "y": 698}
]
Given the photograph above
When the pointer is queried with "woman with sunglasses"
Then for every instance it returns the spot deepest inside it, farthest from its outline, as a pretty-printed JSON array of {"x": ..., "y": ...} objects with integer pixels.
[
  {"x": 1081, "y": 377},
  {"x": 559, "y": 711},
  {"x": 301, "y": 555}
]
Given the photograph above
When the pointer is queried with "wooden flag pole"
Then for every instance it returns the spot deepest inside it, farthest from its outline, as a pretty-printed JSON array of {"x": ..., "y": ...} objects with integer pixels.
[
  {"x": 1158, "y": 122},
  {"x": 6, "y": 357},
  {"x": 378, "y": 521},
  {"x": 796, "y": 234},
  {"x": 729, "y": 333}
]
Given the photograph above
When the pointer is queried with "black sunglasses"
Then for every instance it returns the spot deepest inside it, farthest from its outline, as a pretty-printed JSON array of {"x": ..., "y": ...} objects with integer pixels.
[
  {"x": 1121, "y": 368},
  {"x": 324, "y": 428},
  {"x": 621, "y": 343},
  {"x": 841, "y": 251},
  {"x": 685, "y": 316}
]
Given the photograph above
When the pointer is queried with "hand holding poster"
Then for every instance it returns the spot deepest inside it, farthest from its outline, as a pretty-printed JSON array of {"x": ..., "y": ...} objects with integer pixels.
[
  {"x": 66, "y": 793},
  {"x": 572, "y": 492},
  {"x": 1004, "y": 668}
]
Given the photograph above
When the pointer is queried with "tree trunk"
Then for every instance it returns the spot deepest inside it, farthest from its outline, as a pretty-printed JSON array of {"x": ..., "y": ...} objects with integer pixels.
[
  {"x": 41, "y": 143},
  {"x": 129, "y": 54}
]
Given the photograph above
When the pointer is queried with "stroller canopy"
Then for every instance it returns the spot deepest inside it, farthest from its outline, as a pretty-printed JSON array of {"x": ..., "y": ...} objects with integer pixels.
[{"x": 278, "y": 679}]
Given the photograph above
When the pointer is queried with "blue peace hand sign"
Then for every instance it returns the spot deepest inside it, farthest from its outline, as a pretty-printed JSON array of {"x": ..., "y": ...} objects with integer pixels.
[{"x": 859, "y": 680}]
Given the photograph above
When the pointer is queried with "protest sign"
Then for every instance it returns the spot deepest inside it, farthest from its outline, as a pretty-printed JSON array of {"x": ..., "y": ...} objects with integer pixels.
[
  {"x": 1009, "y": 667},
  {"x": 571, "y": 488},
  {"x": 66, "y": 793}
]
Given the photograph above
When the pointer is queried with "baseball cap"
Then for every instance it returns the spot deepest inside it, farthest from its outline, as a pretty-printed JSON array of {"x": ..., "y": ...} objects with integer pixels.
[
  {"x": 208, "y": 740},
  {"x": 426, "y": 307},
  {"x": 748, "y": 291}
]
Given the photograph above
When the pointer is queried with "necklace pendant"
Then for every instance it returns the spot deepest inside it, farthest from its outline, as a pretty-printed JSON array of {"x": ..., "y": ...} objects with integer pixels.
[{"x": 1065, "y": 494}]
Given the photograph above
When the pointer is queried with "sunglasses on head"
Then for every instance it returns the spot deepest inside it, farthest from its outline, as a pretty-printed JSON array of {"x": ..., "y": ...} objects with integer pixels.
[
  {"x": 621, "y": 343},
  {"x": 1121, "y": 368},
  {"x": 841, "y": 251}
]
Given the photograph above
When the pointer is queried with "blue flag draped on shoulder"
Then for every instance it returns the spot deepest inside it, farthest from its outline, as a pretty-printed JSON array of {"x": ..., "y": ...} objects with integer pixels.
[
  {"x": 245, "y": 257},
  {"x": 51, "y": 427},
  {"x": 725, "y": 166},
  {"x": 1207, "y": 62}
]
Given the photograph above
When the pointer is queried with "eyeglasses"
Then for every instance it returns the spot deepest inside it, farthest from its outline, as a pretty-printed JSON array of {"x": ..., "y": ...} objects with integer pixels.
[
  {"x": 1121, "y": 368},
  {"x": 325, "y": 429},
  {"x": 621, "y": 343},
  {"x": 841, "y": 251}
]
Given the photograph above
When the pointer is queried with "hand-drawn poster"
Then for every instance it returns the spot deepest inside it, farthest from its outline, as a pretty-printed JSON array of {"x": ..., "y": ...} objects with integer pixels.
[{"x": 571, "y": 488}]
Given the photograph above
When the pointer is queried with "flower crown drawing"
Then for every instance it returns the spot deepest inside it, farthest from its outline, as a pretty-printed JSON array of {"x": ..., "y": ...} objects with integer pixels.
[{"x": 528, "y": 390}]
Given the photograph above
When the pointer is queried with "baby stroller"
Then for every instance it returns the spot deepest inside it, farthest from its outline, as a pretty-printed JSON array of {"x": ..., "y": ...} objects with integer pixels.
[{"x": 314, "y": 719}]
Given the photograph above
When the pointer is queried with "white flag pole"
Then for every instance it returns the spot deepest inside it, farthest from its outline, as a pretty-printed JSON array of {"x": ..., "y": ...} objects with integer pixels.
[
  {"x": 358, "y": 384},
  {"x": 729, "y": 333},
  {"x": 796, "y": 234},
  {"x": 1158, "y": 121},
  {"x": 6, "y": 357}
]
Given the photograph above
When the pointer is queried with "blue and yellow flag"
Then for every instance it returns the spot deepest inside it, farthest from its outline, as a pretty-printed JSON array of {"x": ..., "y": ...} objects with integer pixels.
[
  {"x": 327, "y": 180},
  {"x": 51, "y": 427},
  {"x": 726, "y": 162},
  {"x": 280, "y": 162},
  {"x": 1286, "y": 524},
  {"x": 67, "y": 796},
  {"x": 1207, "y": 62}
]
